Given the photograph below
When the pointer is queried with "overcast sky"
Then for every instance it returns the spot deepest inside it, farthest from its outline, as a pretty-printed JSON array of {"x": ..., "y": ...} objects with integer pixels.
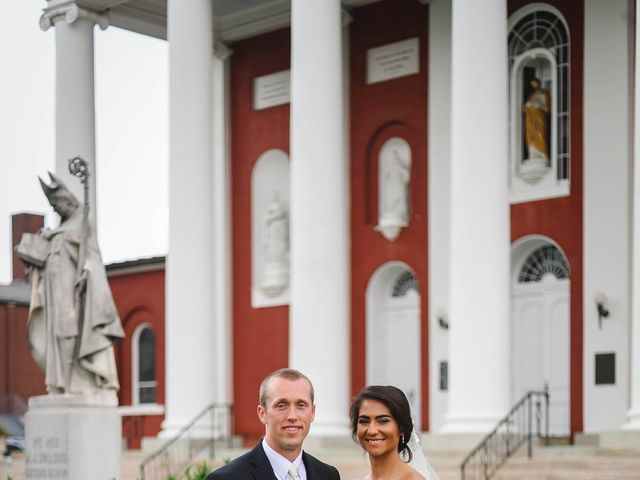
[{"x": 131, "y": 137}]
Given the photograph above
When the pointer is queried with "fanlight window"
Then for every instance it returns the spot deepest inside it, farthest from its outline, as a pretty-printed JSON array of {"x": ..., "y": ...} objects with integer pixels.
[
  {"x": 405, "y": 282},
  {"x": 538, "y": 48},
  {"x": 543, "y": 262}
]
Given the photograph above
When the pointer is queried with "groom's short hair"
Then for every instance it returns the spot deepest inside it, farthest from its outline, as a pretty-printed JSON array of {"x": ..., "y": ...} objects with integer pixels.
[{"x": 286, "y": 373}]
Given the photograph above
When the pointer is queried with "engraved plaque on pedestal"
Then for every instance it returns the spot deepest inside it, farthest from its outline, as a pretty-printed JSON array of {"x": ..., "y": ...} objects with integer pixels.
[{"x": 393, "y": 60}]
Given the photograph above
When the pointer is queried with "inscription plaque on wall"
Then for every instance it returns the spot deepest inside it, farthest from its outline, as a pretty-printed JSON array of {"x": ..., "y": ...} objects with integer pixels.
[
  {"x": 46, "y": 457},
  {"x": 271, "y": 90},
  {"x": 393, "y": 60},
  {"x": 605, "y": 368}
]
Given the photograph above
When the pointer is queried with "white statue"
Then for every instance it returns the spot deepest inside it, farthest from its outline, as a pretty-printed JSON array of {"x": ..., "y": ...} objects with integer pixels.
[
  {"x": 276, "y": 247},
  {"x": 393, "y": 188},
  {"x": 73, "y": 321}
]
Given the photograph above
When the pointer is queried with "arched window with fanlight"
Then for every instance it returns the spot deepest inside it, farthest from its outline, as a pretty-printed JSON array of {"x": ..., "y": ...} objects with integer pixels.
[
  {"x": 539, "y": 84},
  {"x": 144, "y": 375},
  {"x": 544, "y": 262}
]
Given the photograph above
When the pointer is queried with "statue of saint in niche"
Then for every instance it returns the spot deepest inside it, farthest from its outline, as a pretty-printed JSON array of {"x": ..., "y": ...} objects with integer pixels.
[
  {"x": 395, "y": 188},
  {"x": 73, "y": 322},
  {"x": 275, "y": 276},
  {"x": 276, "y": 231},
  {"x": 536, "y": 122}
]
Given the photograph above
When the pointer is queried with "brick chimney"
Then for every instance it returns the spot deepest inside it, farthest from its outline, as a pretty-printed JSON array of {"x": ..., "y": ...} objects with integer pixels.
[{"x": 22, "y": 223}]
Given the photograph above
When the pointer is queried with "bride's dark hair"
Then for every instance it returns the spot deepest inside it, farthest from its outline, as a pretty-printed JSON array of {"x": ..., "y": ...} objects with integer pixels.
[{"x": 397, "y": 403}]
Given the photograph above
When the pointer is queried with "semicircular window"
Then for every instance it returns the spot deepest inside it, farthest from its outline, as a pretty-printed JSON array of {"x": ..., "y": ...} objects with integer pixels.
[
  {"x": 403, "y": 283},
  {"x": 544, "y": 262}
]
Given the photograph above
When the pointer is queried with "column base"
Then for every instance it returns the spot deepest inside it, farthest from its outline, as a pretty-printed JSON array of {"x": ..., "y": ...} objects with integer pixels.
[
  {"x": 461, "y": 424},
  {"x": 633, "y": 420},
  {"x": 67, "y": 439}
]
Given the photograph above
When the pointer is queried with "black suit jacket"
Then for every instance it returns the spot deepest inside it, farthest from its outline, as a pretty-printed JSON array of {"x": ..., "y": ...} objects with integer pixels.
[{"x": 255, "y": 465}]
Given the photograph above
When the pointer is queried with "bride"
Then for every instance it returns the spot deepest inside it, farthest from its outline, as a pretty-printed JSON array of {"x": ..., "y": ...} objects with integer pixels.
[{"x": 381, "y": 423}]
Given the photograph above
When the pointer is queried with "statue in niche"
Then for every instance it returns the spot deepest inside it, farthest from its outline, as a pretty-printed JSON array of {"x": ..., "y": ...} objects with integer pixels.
[
  {"x": 73, "y": 321},
  {"x": 276, "y": 247},
  {"x": 394, "y": 184},
  {"x": 537, "y": 110}
]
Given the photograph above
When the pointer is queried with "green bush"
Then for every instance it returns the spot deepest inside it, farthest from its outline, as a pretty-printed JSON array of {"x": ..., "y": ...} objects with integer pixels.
[{"x": 197, "y": 472}]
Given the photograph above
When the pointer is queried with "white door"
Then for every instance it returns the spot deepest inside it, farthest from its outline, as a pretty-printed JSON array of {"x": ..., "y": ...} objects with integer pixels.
[
  {"x": 540, "y": 345},
  {"x": 393, "y": 349}
]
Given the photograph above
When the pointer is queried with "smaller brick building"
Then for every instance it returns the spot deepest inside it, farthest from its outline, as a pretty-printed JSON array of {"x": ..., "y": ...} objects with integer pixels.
[{"x": 138, "y": 290}]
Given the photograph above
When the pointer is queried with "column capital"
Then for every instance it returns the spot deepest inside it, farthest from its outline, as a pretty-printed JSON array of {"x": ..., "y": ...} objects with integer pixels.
[
  {"x": 221, "y": 50},
  {"x": 346, "y": 17},
  {"x": 70, "y": 11}
]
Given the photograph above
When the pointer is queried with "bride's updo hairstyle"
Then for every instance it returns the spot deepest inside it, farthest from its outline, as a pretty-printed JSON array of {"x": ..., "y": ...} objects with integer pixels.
[{"x": 397, "y": 403}]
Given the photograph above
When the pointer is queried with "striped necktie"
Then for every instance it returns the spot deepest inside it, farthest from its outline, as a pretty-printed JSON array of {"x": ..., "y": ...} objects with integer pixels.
[{"x": 293, "y": 472}]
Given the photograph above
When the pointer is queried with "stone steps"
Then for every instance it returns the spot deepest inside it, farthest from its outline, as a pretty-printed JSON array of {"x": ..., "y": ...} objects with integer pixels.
[{"x": 550, "y": 463}]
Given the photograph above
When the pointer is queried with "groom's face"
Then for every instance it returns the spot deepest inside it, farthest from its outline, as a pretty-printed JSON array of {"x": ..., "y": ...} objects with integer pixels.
[{"x": 287, "y": 415}]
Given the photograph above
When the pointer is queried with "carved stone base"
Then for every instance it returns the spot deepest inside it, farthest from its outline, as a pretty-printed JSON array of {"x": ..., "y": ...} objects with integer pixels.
[
  {"x": 275, "y": 279},
  {"x": 389, "y": 225},
  {"x": 67, "y": 438},
  {"x": 533, "y": 169}
]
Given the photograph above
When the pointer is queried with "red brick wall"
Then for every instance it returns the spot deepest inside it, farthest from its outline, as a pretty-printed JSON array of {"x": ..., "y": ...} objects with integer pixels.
[
  {"x": 18, "y": 371},
  {"x": 23, "y": 223},
  {"x": 140, "y": 298},
  {"x": 561, "y": 219},
  {"x": 379, "y": 111},
  {"x": 257, "y": 333}
]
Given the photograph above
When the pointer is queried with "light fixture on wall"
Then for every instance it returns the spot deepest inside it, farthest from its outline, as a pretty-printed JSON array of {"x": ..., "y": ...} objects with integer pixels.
[
  {"x": 601, "y": 304},
  {"x": 442, "y": 320}
]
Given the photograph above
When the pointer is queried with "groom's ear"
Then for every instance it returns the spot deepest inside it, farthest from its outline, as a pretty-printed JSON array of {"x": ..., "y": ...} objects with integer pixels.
[{"x": 261, "y": 414}]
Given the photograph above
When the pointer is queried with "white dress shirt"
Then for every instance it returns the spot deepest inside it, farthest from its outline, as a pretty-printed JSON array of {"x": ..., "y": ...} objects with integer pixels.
[{"x": 281, "y": 465}]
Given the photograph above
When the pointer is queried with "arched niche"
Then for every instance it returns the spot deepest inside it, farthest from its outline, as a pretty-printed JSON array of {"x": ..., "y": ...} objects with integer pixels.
[
  {"x": 394, "y": 187},
  {"x": 270, "y": 230},
  {"x": 539, "y": 114}
]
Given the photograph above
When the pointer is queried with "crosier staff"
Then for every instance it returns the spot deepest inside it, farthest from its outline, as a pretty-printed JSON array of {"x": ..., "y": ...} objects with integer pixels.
[{"x": 79, "y": 168}]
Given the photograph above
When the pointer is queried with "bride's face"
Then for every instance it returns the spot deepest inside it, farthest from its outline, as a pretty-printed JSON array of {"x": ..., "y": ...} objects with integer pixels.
[{"x": 377, "y": 431}]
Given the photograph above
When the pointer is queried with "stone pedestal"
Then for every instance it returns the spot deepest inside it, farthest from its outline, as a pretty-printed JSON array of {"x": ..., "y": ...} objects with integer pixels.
[{"x": 71, "y": 437}]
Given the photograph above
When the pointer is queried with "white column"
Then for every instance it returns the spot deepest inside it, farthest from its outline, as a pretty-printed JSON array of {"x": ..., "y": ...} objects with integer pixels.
[
  {"x": 221, "y": 182},
  {"x": 479, "y": 248},
  {"x": 75, "y": 93},
  {"x": 190, "y": 324},
  {"x": 633, "y": 415},
  {"x": 319, "y": 314}
]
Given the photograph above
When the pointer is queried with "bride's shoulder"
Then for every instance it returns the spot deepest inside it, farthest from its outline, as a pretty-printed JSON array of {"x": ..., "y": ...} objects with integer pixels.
[{"x": 412, "y": 475}]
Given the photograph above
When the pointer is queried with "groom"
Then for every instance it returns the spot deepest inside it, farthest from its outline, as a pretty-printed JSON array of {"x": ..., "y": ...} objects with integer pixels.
[{"x": 286, "y": 409}]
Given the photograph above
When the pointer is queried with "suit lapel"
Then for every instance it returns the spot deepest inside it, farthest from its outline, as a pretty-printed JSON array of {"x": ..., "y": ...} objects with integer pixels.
[
  {"x": 260, "y": 466},
  {"x": 309, "y": 466}
]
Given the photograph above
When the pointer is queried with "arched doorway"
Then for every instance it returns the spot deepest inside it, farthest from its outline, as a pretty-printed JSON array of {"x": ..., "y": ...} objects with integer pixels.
[
  {"x": 393, "y": 332},
  {"x": 540, "y": 335}
]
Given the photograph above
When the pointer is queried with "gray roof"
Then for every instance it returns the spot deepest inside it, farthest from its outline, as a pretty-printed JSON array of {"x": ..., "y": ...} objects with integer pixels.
[{"x": 18, "y": 292}]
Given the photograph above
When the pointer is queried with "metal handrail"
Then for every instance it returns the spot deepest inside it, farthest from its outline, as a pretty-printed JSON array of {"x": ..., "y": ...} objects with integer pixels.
[
  {"x": 513, "y": 431},
  {"x": 195, "y": 444}
]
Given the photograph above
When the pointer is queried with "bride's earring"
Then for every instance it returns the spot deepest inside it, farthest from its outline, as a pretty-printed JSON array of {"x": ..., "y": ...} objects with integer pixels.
[{"x": 402, "y": 439}]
